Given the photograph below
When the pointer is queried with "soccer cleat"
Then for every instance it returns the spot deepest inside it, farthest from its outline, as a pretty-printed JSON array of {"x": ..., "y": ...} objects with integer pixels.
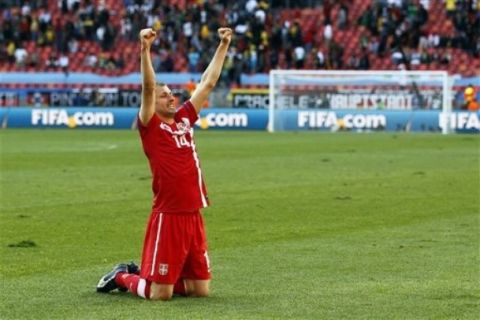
[
  {"x": 107, "y": 282},
  {"x": 133, "y": 269}
]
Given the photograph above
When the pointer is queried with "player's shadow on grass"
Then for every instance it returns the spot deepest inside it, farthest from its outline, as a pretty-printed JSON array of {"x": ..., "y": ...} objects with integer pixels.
[{"x": 121, "y": 296}]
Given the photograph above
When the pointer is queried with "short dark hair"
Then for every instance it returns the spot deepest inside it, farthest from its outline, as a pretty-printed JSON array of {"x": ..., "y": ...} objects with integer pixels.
[{"x": 160, "y": 84}]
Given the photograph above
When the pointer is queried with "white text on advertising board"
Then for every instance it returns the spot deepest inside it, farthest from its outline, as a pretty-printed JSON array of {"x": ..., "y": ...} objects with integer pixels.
[
  {"x": 60, "y": 117},
  {"x": 328, "y": 119},
  {"x": 460, "y": 120},
  {"x": 223, "y": 120}
]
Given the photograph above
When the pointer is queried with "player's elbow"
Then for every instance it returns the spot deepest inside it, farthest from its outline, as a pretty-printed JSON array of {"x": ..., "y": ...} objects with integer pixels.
[{"x": 209, "y": 85}]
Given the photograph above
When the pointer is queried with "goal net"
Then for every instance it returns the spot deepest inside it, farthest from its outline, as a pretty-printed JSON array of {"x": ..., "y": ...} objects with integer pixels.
[{"x": 355, "y": 100}]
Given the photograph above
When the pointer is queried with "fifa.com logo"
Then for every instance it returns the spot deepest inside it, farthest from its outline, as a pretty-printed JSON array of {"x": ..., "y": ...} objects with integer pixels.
[
  {"x": 60, "y": 117},
  {"x": 223, "y": 120},
  {"x": 328, "y": 119}
]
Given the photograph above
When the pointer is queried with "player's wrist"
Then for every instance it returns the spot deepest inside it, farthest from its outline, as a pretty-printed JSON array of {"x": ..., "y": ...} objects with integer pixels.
[{"x": 225, "y": 42}]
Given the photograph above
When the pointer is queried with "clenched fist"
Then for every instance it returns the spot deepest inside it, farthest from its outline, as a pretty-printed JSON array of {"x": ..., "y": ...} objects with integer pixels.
[
  {"x": 225, "y": 35},
  {"x": 146, "y": 37}
]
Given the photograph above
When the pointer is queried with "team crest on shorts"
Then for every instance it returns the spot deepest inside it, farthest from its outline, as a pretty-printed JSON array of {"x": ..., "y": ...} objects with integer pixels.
[{"x": 163, "y": 269}]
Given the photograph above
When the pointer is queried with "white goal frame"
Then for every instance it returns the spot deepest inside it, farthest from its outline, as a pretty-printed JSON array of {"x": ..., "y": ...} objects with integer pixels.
[{"x": 446, "y": 81}]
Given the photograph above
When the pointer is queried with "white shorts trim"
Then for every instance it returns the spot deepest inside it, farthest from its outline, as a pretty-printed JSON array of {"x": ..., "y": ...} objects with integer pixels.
[
  {"x": 142, "y": 283},
  {"x": 157, "y": 241}
]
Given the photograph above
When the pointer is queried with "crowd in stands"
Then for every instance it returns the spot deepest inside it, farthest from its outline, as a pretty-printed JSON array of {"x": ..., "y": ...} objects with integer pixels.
[
  {"x": 397, "y": 28},
  {"x": 334, "y": 34}
]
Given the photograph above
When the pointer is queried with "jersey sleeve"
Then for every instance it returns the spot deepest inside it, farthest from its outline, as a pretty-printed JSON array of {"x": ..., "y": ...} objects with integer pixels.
[
  {"x": 187, "y": 110},
  {"x": 144, "y": 129}
]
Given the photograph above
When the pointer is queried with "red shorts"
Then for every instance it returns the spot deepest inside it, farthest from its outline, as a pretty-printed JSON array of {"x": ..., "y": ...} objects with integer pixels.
[{"x": 175, "y": 247}]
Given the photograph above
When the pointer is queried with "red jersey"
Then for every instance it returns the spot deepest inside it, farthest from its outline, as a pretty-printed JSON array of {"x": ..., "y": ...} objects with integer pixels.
[{"x": 177, "y": 178}]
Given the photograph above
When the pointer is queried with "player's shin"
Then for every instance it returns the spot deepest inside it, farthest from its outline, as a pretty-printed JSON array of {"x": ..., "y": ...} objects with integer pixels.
[{"x": 133, "y": 283}]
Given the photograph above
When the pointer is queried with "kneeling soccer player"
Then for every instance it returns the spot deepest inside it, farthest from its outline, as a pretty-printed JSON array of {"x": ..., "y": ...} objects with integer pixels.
[{"x": 175, "y": 258}]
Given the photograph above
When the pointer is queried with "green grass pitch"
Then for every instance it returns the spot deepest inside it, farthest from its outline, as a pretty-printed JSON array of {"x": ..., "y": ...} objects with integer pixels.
[{"x": 302, "y": 225}]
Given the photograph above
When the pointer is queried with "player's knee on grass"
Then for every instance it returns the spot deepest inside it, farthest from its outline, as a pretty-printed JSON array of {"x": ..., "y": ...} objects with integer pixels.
[
  {"x": 201, "y": 292},
  {"x": 162, "y": 292},
  {"x": 198, "y": 288}
]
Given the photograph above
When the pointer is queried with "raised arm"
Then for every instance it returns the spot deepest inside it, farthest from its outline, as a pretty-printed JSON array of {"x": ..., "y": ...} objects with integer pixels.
[
  {"x": 213, "y": 71},
  {"x": 147, "y": 108}
]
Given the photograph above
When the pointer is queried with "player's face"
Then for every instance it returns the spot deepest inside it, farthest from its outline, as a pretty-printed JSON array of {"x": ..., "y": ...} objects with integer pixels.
[{"x": 164, "y": 101}]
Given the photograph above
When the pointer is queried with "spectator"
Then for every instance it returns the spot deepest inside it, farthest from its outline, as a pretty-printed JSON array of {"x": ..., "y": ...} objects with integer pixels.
[
  {"x": 238, "y": 68},
  {"x": 49, "y": 35},
  {"x": 26, "y": 9},
  {"x": 34, "y": 59},
  {"x": 451, "y": 7},
  {"x": 276, "y": 41},
  {"x": 415, "y": 58},
  {"x": 21, "y": 57},
  {"x": 108, "y": 38},
  {"x": 34, "y": 29},
  {"x": 73, "y": 46},
  {"x": 51, "y": 61},
  {"x": 100, "y": 33},
  {"x": 204, "y": 32},
  {"x": 229, "y": 66},
  {"x": 188, "y": 31},
  {"x": 288, "y": 57},
  {"x": 295, "y": 35},
  {"x": 63, "y": 62},
  {"x": 335, "y": 55},
  {"x": 274, "y": 58},
  {"x": 423, "y": 41},
  {"x": 11, "y": 51},
  {"x": 3, "y": 54},
  {"x": 342, "y": 21},
  {"x": 252, "y": 59},
  {"x": 364, "y": 62},
  {"x": 120, "y": 61},
  {"x": 24, "y": 29},
  {"x": 102, "y": 60},
  {"x": 193, "y": 59},
  {"x": 425, "y": 4},
  {"x": 90, "y": 60},
  {"x": 328, "y": 33},
  {"x": 353, "y": 62},
  {"x": 327, "y": 11},
  {"x": 111, "y": 63},
  {"x": 433, "y": 40},
  {"x": 470, "y": 98},
  {"x": 44, "y": 19},
  {"x": 190, "y": 87},
  {"x": 397, "y": 57},
  {"x": 373, "y": 45},
  {"x": 299, "y": 57},
  {"x": 260, "y": 15},
  {"x": 251, "y": 5},
  {"x": 167, "y": 62},
  {"x": 126, "y": 28},
  {"x": 446, "y": 57},
  {"x": 319, "y": 59},
  {"x": 156, "y": 61},
  {"x": 425, "y": 57}
]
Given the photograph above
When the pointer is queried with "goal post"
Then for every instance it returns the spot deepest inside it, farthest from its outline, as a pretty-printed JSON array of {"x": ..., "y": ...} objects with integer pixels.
[{"x": 363, "y": 92}]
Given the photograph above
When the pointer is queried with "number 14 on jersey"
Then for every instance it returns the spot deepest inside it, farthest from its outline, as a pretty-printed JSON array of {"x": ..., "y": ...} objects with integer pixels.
[{"x": 181, "y": 141}]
